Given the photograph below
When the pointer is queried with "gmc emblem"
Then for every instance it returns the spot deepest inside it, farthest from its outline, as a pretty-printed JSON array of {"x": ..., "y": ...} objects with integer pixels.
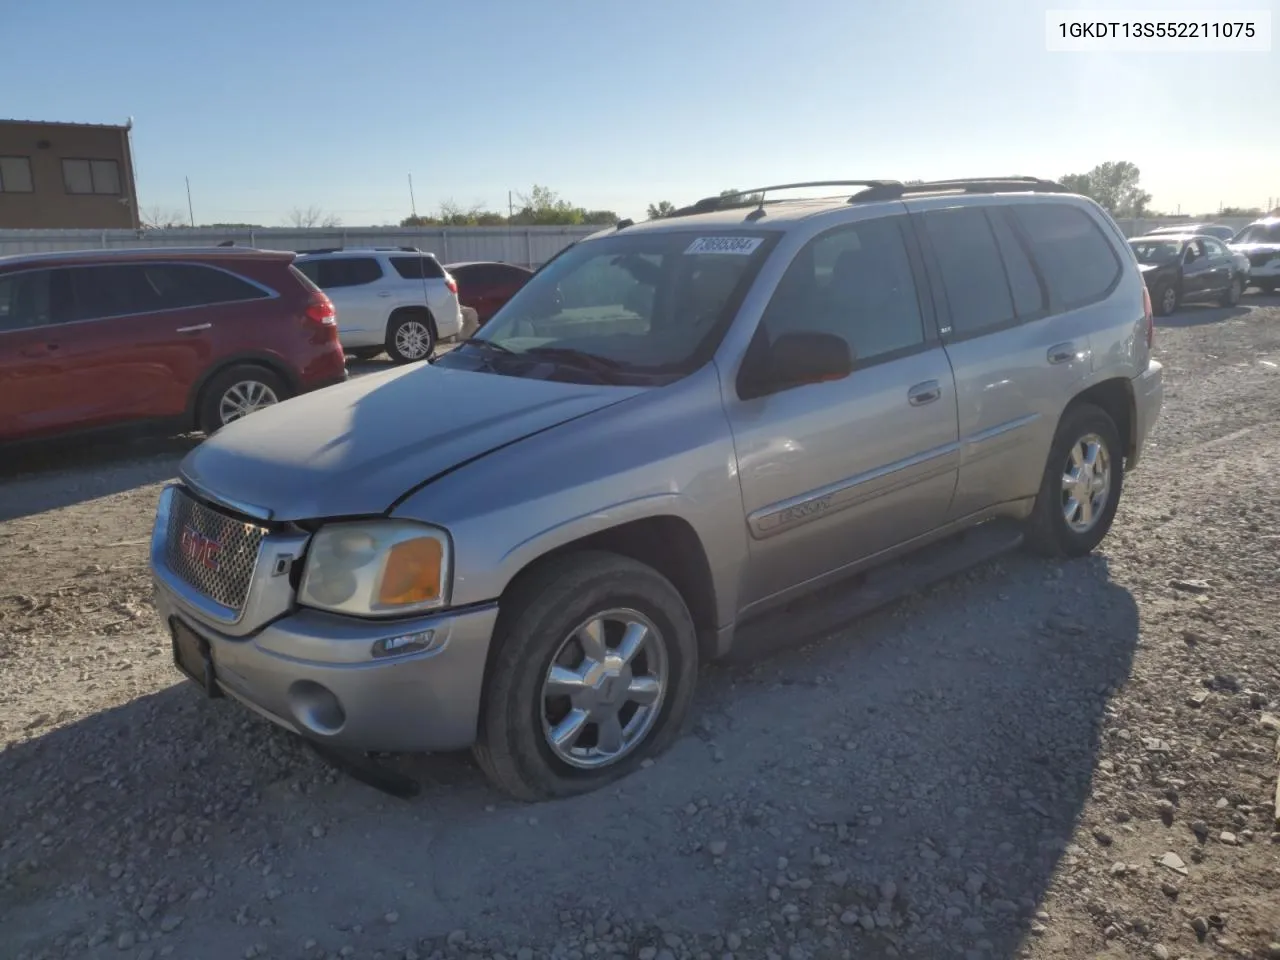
[{"x": 199, "y": 549}]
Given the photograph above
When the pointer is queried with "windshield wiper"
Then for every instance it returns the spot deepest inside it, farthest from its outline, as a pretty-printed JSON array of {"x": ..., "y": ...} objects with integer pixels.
[
  {"x": 591, "y": 362},
  {"x": 489, "y": 345}
]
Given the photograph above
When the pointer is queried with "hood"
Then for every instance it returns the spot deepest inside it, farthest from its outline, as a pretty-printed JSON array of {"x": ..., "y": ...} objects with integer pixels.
[{"x": 355, "y": 448}]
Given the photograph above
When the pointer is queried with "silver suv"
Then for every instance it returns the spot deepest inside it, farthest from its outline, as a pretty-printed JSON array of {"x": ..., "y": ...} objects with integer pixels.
[
  {"x": 672, "y": 432},
  {"x": 396, "y": 299}
]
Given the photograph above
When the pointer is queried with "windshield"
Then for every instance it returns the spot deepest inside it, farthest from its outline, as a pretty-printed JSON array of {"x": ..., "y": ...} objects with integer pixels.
[
  {"x": 1156, "y": 251},
  {"x": 624, "y": 308},
  {"x": 1259, "y": 233}
]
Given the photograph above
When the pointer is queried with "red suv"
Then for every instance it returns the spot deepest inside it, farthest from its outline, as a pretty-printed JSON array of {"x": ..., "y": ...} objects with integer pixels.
[
  {"x": 484, "y": 286},
  {"x": 191, "y": 337}
]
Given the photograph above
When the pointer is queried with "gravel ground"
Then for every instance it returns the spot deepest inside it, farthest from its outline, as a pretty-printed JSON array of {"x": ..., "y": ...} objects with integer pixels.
[{"x": 1032, "y": 760}]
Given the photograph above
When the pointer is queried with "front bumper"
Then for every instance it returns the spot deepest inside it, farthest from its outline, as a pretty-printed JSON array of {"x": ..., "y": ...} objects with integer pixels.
[
  {"x": 1148, "y": 399},
  {"x": 312, "y": 673}
]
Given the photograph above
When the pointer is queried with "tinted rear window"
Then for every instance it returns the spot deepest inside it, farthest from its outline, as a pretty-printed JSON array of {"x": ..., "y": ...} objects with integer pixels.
[
  {"x": 972, "y": 272},
  {"x": 1074, "y": 257},
  {"x": 418, "y": 268}
]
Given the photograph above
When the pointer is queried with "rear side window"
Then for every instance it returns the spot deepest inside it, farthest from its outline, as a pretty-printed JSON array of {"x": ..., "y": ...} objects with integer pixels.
[
  {"x": 973, "y": 275},
  {"x": 1075, "y": 259},
  {"x": 418, "y": 268},
  {"x": 191, "y": 285},
  {"x": 341, "y": 271},
  {"x": 1029, "y": 298}
]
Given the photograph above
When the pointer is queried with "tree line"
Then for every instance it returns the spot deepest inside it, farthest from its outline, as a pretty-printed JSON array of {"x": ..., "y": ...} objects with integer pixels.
[{"x": 540, "y": 207}]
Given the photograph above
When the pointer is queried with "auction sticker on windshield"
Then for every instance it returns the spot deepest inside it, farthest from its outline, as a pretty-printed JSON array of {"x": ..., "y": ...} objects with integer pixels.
[{"x": 739, "y": 246}]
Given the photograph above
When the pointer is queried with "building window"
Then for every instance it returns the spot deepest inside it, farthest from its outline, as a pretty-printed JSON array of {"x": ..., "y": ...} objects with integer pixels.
[
  {"x": 15, "y": 175},
  {"x": 92, "y": 176}
]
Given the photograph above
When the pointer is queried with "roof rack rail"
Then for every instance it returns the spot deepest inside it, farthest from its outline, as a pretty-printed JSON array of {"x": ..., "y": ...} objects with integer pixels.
[
  {"x": 748, "y": 198},
  {"x": 896, "y": 191}
]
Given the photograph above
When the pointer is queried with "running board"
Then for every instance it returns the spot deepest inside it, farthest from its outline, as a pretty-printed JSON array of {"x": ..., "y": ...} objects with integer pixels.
[{"x": 837, "y": 605}]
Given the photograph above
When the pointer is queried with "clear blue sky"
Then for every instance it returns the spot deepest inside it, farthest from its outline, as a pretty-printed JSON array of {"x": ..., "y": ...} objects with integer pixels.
[{"x": 269, "y": 105}]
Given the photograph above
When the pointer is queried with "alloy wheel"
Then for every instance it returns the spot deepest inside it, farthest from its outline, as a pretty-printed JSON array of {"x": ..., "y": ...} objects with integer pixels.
[
  {"x": 413, "y": 340},
  {"x": 243, "y": 398},
  {"x": 1086, "y": 483},
  {"x": 604, "y": 690}
]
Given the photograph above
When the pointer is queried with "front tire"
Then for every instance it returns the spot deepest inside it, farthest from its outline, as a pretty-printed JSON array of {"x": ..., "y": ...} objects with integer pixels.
[
  {"x": 411, "y": 336},
  {"x": 593, "y": 669},
  {"x": 237, "y": 392},
  {"x": 1080, "y": 490},
  {"x": 1232, "y": 297}
]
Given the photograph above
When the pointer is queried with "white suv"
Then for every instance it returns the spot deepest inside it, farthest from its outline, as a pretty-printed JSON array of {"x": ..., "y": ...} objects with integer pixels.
[
  {"x": 397, "y": 299},
  {"x": 1260, "y": 242}
]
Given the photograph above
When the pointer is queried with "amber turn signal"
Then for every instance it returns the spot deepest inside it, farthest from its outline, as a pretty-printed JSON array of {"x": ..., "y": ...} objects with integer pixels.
[{"x": 412, "y": 573}]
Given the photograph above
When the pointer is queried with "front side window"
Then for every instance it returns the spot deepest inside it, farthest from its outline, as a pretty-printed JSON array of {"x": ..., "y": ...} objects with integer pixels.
[
  {"x": 32, "y": 298},
  {"x": 91, "y": 176},
  {"x": 1214, "y": 248},
  {"x": 854, "y": 282},
  {"x": 620, "y": 309},
  {"x": 1156, "y": 251}
]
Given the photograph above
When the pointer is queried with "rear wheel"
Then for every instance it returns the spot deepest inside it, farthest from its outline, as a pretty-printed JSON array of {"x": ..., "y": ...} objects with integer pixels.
[
  {"x": 1232, "y": 295},
  {"x": 1080, "y": 490},
  {"x": 593, "y": 669},
  {"x": 1165, "y": 300},
  {"x": 411, "y": 336},
  {"x": 237, "y": 392}
]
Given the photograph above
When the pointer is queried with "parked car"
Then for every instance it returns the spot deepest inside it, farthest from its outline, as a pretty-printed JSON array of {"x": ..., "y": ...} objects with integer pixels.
[
  {"x": 191, "y": 337},
  {"x": 397, "y": 299},
  {"x": 1260, "y": 242},
  {"x": 485, "y": 286},
  {"x": 711, "y": 415},
  {"x": 1183, "y": 269},
  {"x": 1219, "y": 231}
]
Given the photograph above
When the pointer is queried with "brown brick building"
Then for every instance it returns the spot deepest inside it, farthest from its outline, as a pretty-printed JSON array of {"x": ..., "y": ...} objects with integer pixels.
[{"x": 66, "y": 176}]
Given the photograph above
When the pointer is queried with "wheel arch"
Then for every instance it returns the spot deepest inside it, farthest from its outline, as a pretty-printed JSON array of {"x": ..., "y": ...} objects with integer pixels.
[
  {"x": 411, "y": 309},
  {"x": 1115, "y": 397},
  {"x": 249, "y": 358}
]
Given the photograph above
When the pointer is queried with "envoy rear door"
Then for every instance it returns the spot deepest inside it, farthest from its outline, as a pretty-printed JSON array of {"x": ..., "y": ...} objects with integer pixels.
[{"x": 1015, "y": 282}]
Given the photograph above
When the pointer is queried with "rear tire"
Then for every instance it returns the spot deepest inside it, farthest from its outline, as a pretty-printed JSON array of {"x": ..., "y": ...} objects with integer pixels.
[
  {"x": 411, "y": 336},
  {"x": 543, "y": 736},
  {"x": 1055, "y": 528},
  {"x": 1234, "y": 292},
  {"x": 237, "y": 392}
]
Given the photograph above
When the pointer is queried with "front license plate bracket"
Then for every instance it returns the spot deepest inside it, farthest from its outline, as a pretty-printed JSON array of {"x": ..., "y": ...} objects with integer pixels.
[{"x": 193, "y": 659}]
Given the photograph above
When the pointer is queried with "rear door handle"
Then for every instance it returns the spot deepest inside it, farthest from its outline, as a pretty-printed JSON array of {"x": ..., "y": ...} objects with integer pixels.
[
  {"x": 384, "y": 293},
  {"x": 1065, "y": 353},
  {"x": 195, "y": 329},
  {"x": 923, "y": 393}
]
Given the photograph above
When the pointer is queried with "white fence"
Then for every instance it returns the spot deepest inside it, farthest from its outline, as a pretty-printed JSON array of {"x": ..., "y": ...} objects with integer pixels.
[{"x": 529, "y": 246}]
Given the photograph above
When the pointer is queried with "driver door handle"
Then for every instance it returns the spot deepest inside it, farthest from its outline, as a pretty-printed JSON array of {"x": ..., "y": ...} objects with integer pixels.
[
  {"x": 1065, "y": 353},
  {"x": 923, "y": 393}
]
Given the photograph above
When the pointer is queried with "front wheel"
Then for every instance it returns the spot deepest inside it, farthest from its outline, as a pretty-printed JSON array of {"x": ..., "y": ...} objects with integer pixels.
[
  {"x": 411, "y": 336},
  {"x": 1232, "y": 296},
  {"x": 1080, "y": 490},
  {"x": 236, "y": 393},
  {"x": 593, "y": 669}
]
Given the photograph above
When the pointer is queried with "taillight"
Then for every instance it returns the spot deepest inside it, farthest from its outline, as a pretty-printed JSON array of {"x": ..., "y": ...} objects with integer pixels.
[
  {"x": 320, "y": 310},
  {"x": 1148, "y": 314},
  {"x": 451, "y": 283}
]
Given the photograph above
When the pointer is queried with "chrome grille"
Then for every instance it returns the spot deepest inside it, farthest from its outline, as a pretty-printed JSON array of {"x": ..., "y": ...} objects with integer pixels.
[{"x": 213, "y": 551}]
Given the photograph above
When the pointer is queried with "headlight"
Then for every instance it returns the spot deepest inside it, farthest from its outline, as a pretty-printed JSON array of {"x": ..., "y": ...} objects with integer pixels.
[{"x": 379, "y": 568}]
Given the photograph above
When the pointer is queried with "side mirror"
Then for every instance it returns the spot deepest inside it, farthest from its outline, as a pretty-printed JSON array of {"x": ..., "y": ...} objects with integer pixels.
[{"x": 795, "y": 359}]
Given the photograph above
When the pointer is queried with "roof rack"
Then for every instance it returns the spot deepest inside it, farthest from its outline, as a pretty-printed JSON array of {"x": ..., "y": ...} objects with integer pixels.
[
  {"x": 895, "y": 191},
  {"x": 362, "y": 250},
  {"x": 748, "y": 198}
]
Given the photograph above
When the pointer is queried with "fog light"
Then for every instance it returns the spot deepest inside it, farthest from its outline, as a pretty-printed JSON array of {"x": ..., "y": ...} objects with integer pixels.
[{"x": 404, "y": 644}]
